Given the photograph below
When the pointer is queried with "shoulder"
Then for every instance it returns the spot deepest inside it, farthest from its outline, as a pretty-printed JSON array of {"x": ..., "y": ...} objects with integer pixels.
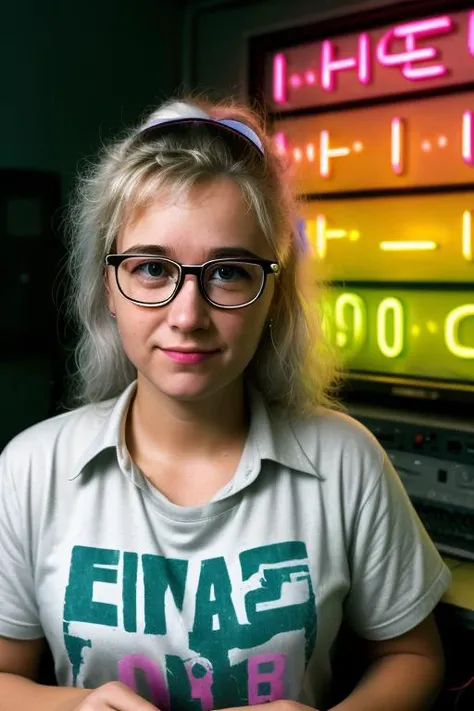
[{"x": 335, "y": 439}]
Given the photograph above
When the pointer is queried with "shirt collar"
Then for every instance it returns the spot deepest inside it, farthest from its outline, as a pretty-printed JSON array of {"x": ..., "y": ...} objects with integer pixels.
[
  {"x": 279, "y": 437},
  {"x": 274, "y": 436},
  {"x": 110, "y": 432}
]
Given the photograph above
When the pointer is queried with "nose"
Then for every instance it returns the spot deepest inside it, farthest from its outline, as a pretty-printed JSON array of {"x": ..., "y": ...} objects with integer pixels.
[{"x": 188, "y": 311}]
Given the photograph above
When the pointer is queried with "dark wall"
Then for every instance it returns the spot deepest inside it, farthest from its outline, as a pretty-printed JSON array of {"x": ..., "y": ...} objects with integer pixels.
[
  {"x": 72, "y": 74},
  {"x": 215, "y": 50}
]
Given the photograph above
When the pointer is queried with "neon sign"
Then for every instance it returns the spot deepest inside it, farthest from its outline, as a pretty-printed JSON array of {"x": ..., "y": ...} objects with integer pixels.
[
  {"x": 430, "y": 238},
  {"x": 427, "y": 142},
  {"x": 374, "y": 329},
  {"x": 384, "y": 61},
  {"x": 388, "y": 209}
]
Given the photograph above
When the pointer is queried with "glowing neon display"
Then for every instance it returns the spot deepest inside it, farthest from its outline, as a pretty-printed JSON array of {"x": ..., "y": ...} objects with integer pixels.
[
  {"x": 409, "y": 32},
  {"x": 323, "y": 234},
  {"x": 467, "y": 137},
  {"x": 357, "y": 327},
  {"x": 325, "y": 153},
  {"x": 417, "y": 238},
  {"x": 373, "y": 329},
  {"x": 396, "y": 308},
  {"x": 467, "y": 249},
  {"x": 432, "y": 49},
  {"x": 397, "y": 145},
  {"x": 395, "y": 217},
  {"x": 280, "y": 142},
  {"x": 330, "y": 66},
  {"x": 405, "y": 246},
  {"x": 470, "y": 33},
  {"x": 452, "y": 328},
  {"x": 419, "y": 143},
  {"x": 279, "y": 78}
]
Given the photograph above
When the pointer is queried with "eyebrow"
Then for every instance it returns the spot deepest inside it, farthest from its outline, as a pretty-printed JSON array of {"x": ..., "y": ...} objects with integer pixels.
[{"x": 217, "y": 253}]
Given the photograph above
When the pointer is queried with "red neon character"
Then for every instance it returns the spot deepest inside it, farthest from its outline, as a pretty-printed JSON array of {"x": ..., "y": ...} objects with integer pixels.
[{"x": 410, "y": 32}]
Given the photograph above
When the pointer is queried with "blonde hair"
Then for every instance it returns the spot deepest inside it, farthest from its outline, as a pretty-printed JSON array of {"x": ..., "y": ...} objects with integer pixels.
[{"x": 293, "y": 366}]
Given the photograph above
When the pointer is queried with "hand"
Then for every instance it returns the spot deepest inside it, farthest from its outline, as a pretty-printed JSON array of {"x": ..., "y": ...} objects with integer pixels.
[
  {"x": 113, "y": 696},
  {"x": 280, "y": 705}
]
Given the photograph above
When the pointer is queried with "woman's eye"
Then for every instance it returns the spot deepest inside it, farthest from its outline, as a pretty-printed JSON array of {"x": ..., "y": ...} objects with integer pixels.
[
  {"x": 228, "y": 273},
  {"x": 151, "y": 269}
]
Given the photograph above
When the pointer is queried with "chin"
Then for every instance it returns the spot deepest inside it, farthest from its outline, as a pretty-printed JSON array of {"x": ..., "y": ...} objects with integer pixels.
[
  {"x": 192, "y": 387},
  {"x": 187, "y": 389}
]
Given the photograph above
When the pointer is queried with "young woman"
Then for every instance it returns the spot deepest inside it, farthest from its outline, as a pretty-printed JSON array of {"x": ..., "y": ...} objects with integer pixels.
[{"x": 193, "y": 535}]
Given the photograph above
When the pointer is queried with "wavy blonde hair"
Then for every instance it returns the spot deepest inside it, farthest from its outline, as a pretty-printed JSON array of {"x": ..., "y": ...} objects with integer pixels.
[{"x": 293, "y": 366}]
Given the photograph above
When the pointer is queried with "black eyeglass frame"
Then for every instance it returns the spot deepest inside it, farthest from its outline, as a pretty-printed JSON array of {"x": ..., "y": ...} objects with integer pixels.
[{"x": 268, "y": 267}]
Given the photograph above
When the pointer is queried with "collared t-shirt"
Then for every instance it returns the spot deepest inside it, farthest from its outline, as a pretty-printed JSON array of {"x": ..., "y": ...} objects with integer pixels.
[{"x": 234, "y": 602}]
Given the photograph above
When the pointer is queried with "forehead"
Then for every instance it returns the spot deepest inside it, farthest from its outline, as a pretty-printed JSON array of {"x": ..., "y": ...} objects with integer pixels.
[{"x": 202, "y": 219}]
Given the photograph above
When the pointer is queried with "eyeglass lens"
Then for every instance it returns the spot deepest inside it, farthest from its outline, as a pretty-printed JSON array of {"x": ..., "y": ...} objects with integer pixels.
[{"x": 152, "y": 281}]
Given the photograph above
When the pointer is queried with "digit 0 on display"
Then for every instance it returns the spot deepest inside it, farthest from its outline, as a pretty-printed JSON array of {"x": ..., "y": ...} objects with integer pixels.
[
  {"x": 406, "y": 332},
  {"x": 377, "y": 127}
]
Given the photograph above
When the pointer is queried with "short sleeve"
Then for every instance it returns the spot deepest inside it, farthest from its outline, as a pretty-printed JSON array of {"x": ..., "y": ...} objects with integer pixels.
[
  {"x": 397, "y": 575},
  {"x": 18, "y": 609}
]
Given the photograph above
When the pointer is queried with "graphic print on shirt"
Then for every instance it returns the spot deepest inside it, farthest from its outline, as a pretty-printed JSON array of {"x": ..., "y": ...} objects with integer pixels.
[{"x": 228, "y": 631}]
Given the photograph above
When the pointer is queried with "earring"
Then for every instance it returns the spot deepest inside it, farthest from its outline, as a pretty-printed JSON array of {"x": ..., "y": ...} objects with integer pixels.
[{"x": 113, "y": 314}]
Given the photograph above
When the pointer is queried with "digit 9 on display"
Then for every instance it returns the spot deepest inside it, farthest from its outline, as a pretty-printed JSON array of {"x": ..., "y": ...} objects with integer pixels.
[{"x": 378, "y": 128}]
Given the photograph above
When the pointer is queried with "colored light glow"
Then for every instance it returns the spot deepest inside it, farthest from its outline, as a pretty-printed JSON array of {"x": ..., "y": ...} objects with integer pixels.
[
  {"x": 426, "y": 146},
  {"x": 416, "y": 356},
  {"x": 323, "y": 234},
  {"x": 358, "y": 147},
  {"x": 298, "y": 155},
  {"x": 415, "y": 74},
  {"x": 467, "y": 248},
  {"x": 432, "y": 327},
  {"x": 415, "y": 330},
  {"x": 412, "y": 54},
  {"x": 279, "y": 78},
  {"x": 397, "y": 145},
  {"x": 295, "y": 81},
  {"x": 402, "y": 58},
  {"x": 395, "y": 306},
  {"x": 321, "y": 243},
  {"x": 408, "y": 246},
  {"x": 467, "y": 137},
  {"x": 325, "y": 153},
  {"x": 330, "y": 66},
  {"x": 364, "y": 74},
  {"x": 280, "y": 142},
  {"x": 470, "y": 33},
  {"x": 451, "y": 331},
  {"x": 358, "y": 328},
  {"x": 310, "y": 78},
  {"x": 442, "y": 141},
  {"x": 336, "y": 234},
  {"x": 310, "y": 152}
]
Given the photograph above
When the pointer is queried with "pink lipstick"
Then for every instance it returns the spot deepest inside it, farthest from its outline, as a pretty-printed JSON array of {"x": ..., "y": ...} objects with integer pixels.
[{"x": 189, "y": 357}]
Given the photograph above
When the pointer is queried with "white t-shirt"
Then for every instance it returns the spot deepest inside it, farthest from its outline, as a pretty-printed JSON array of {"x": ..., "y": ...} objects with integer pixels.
[{"x": 235, "y": 602}]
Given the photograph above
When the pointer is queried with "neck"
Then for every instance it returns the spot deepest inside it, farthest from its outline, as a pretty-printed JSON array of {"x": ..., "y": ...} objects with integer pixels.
[{"x": 191, "y": 429}]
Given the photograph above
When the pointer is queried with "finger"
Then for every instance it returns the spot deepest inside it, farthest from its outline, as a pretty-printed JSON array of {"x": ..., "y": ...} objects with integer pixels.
[{"x": 119, "y": 697}]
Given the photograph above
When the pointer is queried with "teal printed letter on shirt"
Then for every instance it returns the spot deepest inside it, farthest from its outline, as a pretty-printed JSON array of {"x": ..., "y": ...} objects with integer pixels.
[{"x": 237, "y": 618}]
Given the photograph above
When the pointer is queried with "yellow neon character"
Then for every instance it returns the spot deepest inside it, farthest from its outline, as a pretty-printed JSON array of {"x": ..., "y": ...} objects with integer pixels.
[
  {"x": 451, "y": 331},
  {"x": 396, "y": 307}
]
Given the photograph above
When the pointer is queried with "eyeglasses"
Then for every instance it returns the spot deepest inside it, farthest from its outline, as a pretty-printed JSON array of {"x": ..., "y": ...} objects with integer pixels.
[{"x": 155, "y": 281}]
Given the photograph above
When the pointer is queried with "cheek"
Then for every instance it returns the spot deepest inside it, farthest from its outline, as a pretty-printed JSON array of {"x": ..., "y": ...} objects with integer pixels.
[
  {"x": 244, "y": 329},
  {"x": 134, "y": 326}
]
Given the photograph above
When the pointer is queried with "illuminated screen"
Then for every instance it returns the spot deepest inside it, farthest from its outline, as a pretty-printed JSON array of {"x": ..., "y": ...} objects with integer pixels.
[
  {"x": 377, "y": 127},
  {"x": 427, "y": 142}
]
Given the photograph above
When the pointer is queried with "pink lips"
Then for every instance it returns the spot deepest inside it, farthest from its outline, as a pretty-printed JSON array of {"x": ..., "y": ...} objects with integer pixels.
[{"x": 189, "y": 358}]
